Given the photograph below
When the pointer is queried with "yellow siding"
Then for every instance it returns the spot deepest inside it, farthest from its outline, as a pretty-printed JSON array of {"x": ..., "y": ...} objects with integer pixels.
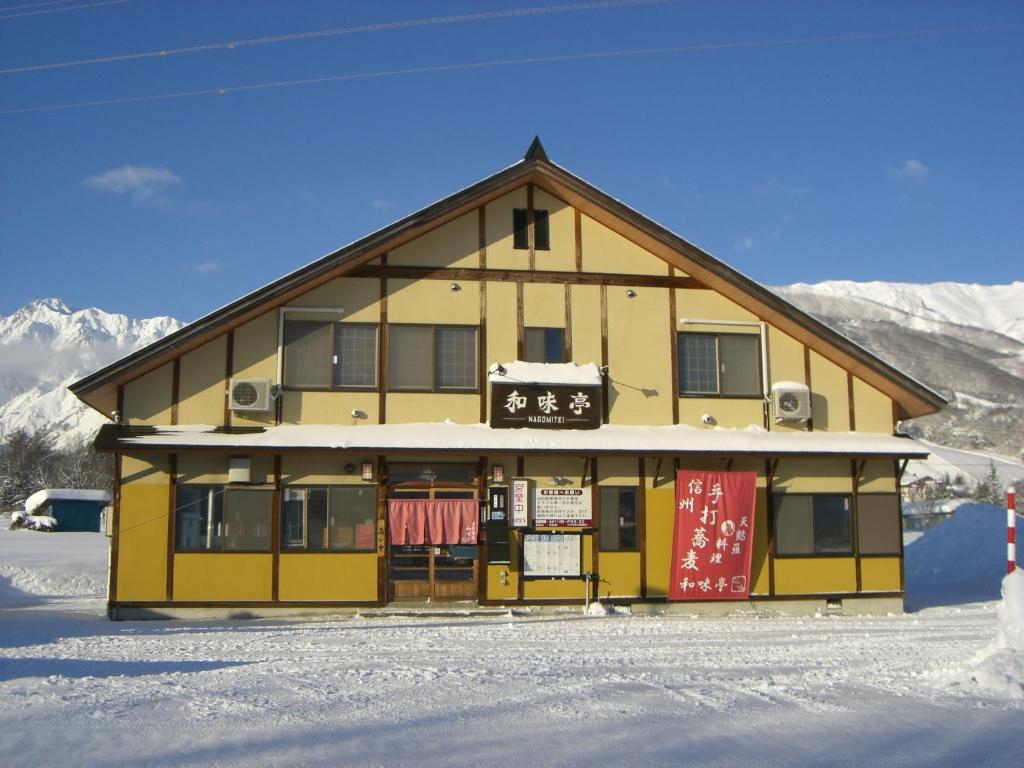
[
  {"x": 785, "y": 357},
  {"x": 502, "y": 343},
  {"x": 202, "y": 468},
  {"x": 330, "y": 408},
  {"x": 830, "y": 401},
  {"x": 726, "y": 412},
  {"x": 323, "y": 469},
  {"x": 201, "y": 384},
  {"x": 759, "y": 567},
  {"x": 619, "y": 573},
  {"x": 880, "y": 574},
  {"x": 878, "y": 476},
  {"x": 543, "y": 306},
  {"x": 142, "y": 537},
  {"x": 500, "y": 253},
  {"x": 586, "y": 323},
  {"x": 872, "y": 409},
  {"x": 433, "y": 301},
  {"x": 222, "y": 577},
  {"x": 607, "y": 251},
  {"x": 255, "y": 357},
  {"x": 359, "y": 297},
  {"x": 617, "y": 471},
  {"x": 562, "y": 226},
  {"x": 660, "y": 509},
  {"x": 495, "y": 590},
  {"x": 455, "y": 244},
  {"x": 412, "y": 408},
  {"x": 144, "y": 469},
  {"x": 815, "y": 575},
  {"x": 147, "y": 400},
  {"x": 542, "y": 469},
  {"x": 641, "y": 382},
  {"x": 347, "y": 576},
  {"x": 555, "y": 589},
  {"x": 814, "y": 476},
  {"x": 706, "y": 304}
]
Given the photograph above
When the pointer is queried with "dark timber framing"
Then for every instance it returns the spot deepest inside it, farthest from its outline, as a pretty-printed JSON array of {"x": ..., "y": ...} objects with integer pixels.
[
  {"x": 172, "y": 505},
  {"x": 382, "y": 344}
]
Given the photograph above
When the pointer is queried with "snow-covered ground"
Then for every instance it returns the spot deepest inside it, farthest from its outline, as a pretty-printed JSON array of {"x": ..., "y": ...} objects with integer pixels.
[{"x": 939, "y": 686}]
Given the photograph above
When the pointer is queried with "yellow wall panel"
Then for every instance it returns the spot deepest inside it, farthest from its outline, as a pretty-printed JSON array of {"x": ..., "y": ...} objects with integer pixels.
[
  {"x": 759, "y": 566},
  {"x": 619, "y": 573},
  {"x": 706, "y": 304},
  {"x": 586, "y": 323},
  {"x": 814, "y": 476},
  {"x": 323, "y": 469},
  {"x": 880, "y": 574},
  {"x": 222, "y": 577},
  {"x": 201, "y": 384},
  {"x": 144, "y": 469},
  {"x": 455, "y": 244},
  {"x": 618, "y": 471},
  {"x": 555, "y": 589},
  {"x": 359, "y": 297},
  {"x": 433, "y": 301},
  {"x": 609, "y": 252},
  {"x": 878, "y": 476},
  {"x": 413, "y": 408},
  {"x": 330, "y": 408},
  {"x": 500, "y": 253},
  {"x": 562, "y": 229},
  {"x": 542, "y": 469},
  {"x": 830, "y": 401},
  {"x": 147, "y": 400},
  {"x": 543, "y": 305},
  {"x": 495, "y": 589},
  {"x": 727, "y": 412},
  {"x": 815, "y": 575},
  {"x": 660, "y": 523},
  {"x": 872, "y": 409},
  {"x": 202, "y": 468},
  {"x": 142, "y": 542},
  {"x": 315, "y": 576},
  {"x": 640, "y": 391},
  {"x": 255, "y": 357},
  {"x": 785, "y": 357}
]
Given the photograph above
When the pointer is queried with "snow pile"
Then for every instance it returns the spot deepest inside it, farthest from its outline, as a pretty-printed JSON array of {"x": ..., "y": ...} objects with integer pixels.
[
  {"x": 71, "y": 567},
  {"x": 39, "y": 498},
  {"x": 607, "y": 609},
  {"x": 518, "y": 372},
  {"x": 999, "y": 669},
  {"x": 960, "y": 560},
  {"x": 30, "y": 522}
]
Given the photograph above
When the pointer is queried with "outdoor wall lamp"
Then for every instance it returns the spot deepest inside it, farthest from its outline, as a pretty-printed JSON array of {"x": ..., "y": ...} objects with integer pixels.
[
  {"x": 497, "y": 473},
  {"x": 367, "y": 473},
  {"x": 456, "y": 287},
  {"x": 631, "y": 293}
]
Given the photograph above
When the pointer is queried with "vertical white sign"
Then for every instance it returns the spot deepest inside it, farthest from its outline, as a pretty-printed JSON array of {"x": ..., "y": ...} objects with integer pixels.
[{"x": 520, "y": 502}]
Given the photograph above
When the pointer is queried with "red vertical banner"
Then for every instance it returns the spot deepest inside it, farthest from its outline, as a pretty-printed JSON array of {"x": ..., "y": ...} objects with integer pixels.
[{"x": 714, "y": 535}]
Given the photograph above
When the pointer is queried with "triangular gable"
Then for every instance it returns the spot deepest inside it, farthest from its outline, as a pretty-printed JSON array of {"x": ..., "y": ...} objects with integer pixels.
[{"x": 912, "y": 398}]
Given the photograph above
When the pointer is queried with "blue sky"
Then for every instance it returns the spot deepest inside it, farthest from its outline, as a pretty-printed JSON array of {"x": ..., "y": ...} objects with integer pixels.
[{"x": 830, "y": 149}]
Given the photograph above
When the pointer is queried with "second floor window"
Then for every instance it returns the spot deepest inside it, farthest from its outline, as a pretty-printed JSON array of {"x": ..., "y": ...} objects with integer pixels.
[
  {"x": 323, "y": 355},
  {"x": 719, "y": 364},
  {"x": 432, "y": 358},
  {"x": 521, "y": 229},
  {"x": 544, "y": 345}
]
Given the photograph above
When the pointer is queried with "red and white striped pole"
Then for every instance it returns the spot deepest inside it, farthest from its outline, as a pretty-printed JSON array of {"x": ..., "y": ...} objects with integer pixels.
[{"x": 1011, "y": 532}]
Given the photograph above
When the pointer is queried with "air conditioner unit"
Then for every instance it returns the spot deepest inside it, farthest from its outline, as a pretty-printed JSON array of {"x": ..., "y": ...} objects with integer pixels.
[
  {"x": 249, "y": 394},
  {"x": 791, "y": 401}
]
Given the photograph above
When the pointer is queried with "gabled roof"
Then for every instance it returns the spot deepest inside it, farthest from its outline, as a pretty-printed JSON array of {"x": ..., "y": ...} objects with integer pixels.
[{"x": 912, "y": 398}]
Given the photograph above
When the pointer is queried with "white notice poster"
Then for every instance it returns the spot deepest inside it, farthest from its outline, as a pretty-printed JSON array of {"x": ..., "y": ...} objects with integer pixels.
[
  {"x": 551, "y": 554},
  {"x": 566, "y": 507}
]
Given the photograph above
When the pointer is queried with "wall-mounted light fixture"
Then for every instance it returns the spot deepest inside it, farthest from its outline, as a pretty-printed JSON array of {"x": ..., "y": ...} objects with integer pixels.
[
  {"x": 350, "y": 469},
  {"x": 497, "y": 473},
  {"x": 500, "y": 369},
  {"x": 631, "y": 293},
  {"x": 455, "y": 288},
  {"x": 367, "y": 470}
]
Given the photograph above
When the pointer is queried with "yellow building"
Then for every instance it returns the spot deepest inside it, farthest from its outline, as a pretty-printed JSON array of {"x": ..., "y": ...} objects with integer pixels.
[{"x": 287, "y": 452}]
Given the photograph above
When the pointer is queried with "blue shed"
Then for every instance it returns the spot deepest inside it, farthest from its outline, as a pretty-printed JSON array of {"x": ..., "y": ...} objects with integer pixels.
[{"x": 75, "y": 509}]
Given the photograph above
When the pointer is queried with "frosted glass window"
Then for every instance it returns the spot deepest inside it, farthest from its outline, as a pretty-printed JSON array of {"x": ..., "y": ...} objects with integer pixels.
[
  {"x": 456, "y": 358},
  {"x": 355, "y": 347},
  {"x": 411, "y": 357},
  {"x": 307, "y": 354}
]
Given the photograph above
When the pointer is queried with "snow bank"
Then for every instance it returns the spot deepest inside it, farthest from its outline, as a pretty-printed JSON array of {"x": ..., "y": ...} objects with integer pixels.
[
  {"x": 960, "y": 560},
  {"x": 39, "y": 498},
  {"x": 517, "y": 371},
  {"x": 999, "y": 669},
  {"x": 29, "y": 522},
  {"x": 69, "y": 567}
]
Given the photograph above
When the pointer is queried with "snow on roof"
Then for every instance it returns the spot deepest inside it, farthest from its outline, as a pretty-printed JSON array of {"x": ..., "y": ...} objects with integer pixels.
[
  {"x": 39, "y": 498},
  {"x": 610, "y": 438},
  {"x": 518, "y": 372}
]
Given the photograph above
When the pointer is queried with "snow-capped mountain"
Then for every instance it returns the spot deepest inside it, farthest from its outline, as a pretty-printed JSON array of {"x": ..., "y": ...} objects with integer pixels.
[{"x": 45, "y": 346}]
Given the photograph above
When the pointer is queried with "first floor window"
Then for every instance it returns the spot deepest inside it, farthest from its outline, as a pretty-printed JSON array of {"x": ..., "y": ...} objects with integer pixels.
[
  {"x": 337, "y": 518},
  {"x": 544, "y": 345},
  {"x": 325, "y": 355},
  {"x": 714, "y": 364},
  {"x": 432, "y": 358},
  {"x": 618, "y": 518},
  {"x": 217, "y": 519},
  {"x": 818, "y": 524}
]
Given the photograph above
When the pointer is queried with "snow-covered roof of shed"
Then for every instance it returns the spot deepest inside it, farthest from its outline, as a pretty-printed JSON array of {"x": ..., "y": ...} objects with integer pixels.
[
  {"x": 40, "y": 498},
  {"x": 481, "y": 438},
  {"x": 518, "y": 372}
]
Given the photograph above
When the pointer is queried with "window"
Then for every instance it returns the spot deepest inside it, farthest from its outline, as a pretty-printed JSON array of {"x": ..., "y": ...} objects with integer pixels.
[
  {"x": 323, "y": 355},
  {"x": 432, "y": 358},
  {"x": 813, "y": 525},
  {"x": 521, "y": 229},
  {"x": 618, "y": 518},
  {"x": 879, "y": 525},
  {"x": 336, "y": 518},
  {"x": 726, "y": 365},
  {"x": 216, "y": 519},
  {"x": 544, "y": 345}
]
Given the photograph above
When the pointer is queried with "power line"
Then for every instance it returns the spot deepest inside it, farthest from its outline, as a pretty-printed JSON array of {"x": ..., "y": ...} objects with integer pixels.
[
  {"x": 35, "y": 5},
  {"x": 512, "y": 62},
  {"x": 297, "y": 36},
  {"x": 60, "y": 10}
]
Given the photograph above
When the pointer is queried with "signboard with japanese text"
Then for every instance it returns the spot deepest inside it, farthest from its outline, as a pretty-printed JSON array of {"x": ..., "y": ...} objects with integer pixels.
[
  {"x": 545, "y": 406},
  {"x": 520, "y": 506},
  {"x": 714, "y": 534},
  {"x": 547, "y": 555},
  {"x": 568, "y": 507}
]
